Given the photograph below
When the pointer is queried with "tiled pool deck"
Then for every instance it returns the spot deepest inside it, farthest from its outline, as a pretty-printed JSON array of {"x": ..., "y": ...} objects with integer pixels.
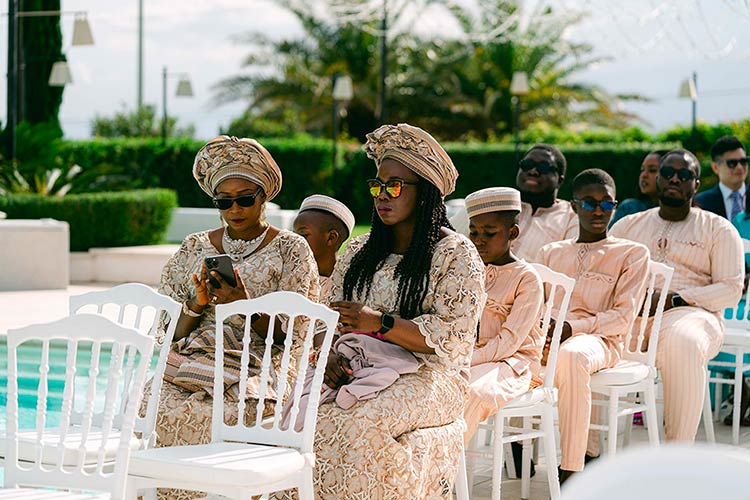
[{"x": 22, "y": 308}]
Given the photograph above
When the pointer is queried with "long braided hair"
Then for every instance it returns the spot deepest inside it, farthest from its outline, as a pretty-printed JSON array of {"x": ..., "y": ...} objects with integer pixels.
[{"x": 413, "y": 270}]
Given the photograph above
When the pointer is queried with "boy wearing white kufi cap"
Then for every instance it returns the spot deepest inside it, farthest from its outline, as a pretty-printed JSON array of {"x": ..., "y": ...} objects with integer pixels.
[
  {"x": 509, "y": 342},
  {"x": 326, "y": 224}
]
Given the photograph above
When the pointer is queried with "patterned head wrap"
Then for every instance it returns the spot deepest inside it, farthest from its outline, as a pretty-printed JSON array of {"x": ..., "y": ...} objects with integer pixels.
[
  {"x": 417, "y": 150},
  {"x": 494, "y": 199},
  {"x": 229, "y": 157},
  {"x": 330, "y": 205}
]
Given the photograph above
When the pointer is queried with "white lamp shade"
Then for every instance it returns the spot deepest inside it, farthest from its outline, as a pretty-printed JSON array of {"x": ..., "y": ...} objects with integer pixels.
[
  {"x": 343, "y": 89},
  {"x": 184, "y": 88},
  {"x": 60, "y": 74},
  {"x": 82, "y": 32},
  {"x": 519, "y": 84},
  {"x": 687, "y": 89}
]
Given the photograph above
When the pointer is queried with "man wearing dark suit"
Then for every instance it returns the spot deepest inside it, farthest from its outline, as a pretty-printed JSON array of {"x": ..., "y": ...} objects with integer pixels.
[{"x": 729, "y": 162}]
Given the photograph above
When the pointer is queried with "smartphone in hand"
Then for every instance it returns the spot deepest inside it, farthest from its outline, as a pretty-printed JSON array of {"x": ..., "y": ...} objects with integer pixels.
[{"x": 222, "y": 264}]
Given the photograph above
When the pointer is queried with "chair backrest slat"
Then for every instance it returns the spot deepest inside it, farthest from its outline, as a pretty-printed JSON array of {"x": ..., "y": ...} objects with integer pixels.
[
  {"x": 300, "y": 316},
  {"x": 647, "y": 335},
  {"x": 58, "y": 460},
  {"x": 130, "y": 302},
  {"x": 738, "y": 317},
  {"x": 558, "y": 286}
]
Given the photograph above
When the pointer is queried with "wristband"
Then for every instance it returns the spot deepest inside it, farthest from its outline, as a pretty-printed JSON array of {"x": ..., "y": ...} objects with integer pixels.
[{"x": 189, "y": 312}]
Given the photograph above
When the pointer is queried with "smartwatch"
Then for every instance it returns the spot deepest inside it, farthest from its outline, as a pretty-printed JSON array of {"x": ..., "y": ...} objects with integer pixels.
[
  {"x": 386, "y": 323},
  {"x": 678, "y": 301}
]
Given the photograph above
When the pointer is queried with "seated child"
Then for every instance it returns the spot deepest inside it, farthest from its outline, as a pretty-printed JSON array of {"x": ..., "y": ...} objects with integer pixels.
[
  {"x": 611, "y": 275},
  {"x": 509, "y": 338},
  {"x": 326, "y": 224}
]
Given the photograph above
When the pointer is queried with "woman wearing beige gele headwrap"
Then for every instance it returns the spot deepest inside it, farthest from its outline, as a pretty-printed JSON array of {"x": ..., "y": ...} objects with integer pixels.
[
  {"x": 239, "y": 175},
  {"x": 415, "y": 283}
]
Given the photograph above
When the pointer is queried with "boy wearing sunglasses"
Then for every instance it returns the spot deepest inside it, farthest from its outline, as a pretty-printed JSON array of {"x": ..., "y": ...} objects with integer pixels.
[
  {"x": 706, "y": 254},
  {"x": 610, "y": 276},
  {"x": 729, "y": 162}
]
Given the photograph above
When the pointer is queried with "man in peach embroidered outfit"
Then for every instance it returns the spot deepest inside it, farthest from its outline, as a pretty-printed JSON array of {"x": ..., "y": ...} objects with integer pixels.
[
  {"x": 326, "y": 224},
  {"x": 611, "y": 276},
  {"x": 544, "y": 218},
  {"x": 509, "y": 344},
  {"x": 706, "y": 253}
]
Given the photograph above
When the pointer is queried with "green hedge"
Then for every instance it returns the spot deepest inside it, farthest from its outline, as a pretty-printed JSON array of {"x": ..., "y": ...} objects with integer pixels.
[
  {"x": 306, "y": 165},
  {"x": 116, "y": 219},
  {"x": 149, "y": 163}
]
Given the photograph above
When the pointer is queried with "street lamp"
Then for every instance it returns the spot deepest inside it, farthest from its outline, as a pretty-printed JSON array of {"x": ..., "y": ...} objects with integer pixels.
[
  {"x": 689, "y": 89},
  {"x": 184, "y": 89},
  {"x": 60, "y": 73},
  {"x": 519, "y": 86},
  {"x": 343, "y": 92}
]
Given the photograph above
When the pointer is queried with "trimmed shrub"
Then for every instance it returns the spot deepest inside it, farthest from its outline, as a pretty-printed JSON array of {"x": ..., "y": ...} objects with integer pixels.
[
  {"x": 112, "y": 219},
  {"x": 483, "y": 165},
  {"x": 305, "y": 163}
]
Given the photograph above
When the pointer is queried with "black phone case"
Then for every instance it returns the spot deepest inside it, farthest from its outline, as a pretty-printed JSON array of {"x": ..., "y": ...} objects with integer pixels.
[{"x": 222, "y": 264}]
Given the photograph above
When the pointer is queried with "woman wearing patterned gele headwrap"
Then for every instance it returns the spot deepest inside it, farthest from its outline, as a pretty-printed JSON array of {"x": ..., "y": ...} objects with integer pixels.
[
  {"x": 413, "y": 282},
  {"x": 240, "y": 175}
]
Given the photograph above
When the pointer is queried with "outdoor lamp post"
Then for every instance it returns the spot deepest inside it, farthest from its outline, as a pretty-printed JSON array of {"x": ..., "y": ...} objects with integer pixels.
[
  {"x": 60, "y": 73},
  {"x": 689, "y": 89},
  {"x": 343, "y": 92},
  {"x": 519, "y": 86},
  {"x": 184, "y": 89}
]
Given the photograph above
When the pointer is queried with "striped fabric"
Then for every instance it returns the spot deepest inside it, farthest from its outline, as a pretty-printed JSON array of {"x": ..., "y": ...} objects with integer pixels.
[{"x": 494, "y": 199}]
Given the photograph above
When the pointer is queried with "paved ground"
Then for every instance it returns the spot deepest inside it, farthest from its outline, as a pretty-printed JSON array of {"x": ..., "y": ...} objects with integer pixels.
[{"x": 22, "y": 308}]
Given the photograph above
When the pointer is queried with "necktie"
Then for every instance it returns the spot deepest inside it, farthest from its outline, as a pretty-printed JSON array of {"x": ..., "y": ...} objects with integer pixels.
[{"x": 736, "y": 207}]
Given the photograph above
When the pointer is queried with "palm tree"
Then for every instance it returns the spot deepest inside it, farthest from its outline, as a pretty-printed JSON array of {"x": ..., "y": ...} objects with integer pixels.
[{"x": 457, "y": 88}]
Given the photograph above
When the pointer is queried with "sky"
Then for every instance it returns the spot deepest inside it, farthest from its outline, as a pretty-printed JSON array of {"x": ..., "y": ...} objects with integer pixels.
[{"x": 650, "y": 46}]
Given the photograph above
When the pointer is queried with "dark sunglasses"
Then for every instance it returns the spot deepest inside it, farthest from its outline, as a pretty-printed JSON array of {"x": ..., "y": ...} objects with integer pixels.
[
  {"x": 732, "y": 163},
  {"x": 684, "y": 174},
  {"x": 392, "y": 187},
  {"x": 590, "y": 205},
  {"x": 543, "y": 167},
  {"x": 246, "y": 200}
]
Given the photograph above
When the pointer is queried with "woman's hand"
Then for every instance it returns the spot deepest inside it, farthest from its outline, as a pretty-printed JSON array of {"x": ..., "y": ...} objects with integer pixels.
[
  {"x": 355, "y": 317},
  {"x": 225, "y": 293},
  {"x": 338, "y": 371},
  {"x": 202, "y": 297}
]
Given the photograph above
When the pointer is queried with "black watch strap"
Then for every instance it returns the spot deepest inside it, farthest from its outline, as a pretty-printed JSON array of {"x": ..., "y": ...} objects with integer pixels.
[{"x": 386, "y": 323}]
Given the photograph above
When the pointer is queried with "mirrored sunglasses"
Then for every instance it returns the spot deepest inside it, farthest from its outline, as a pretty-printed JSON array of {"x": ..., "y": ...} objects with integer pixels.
[
  {"x": 246, "y": 200},
  {"x": 590, "y": 205},
  {"x": 732, "y": 163},
  {"x": 684, "y": 174},
  {"x": 393, "y": 187},
  {"x": 543, "y": 167}
]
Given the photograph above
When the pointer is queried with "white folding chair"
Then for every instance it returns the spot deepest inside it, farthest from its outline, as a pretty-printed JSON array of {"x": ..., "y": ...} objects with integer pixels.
[
  {"x": 737, "y": 343},
  {"x": 138, "y": 306},
  {"x": 242, "y": 461},
  {"x": 636, "y": 372},
  {"x": 539, "y": 402},
  {"x": 106, "y": 396}
]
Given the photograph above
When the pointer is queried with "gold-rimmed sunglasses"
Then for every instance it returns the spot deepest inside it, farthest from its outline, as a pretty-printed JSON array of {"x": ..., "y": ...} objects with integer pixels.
[{"x": 393, "y": 187}]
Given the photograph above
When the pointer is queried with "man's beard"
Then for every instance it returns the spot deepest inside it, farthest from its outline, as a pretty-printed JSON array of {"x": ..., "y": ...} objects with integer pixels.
[
  {"x": 538, "y": 199},
  {"x": 672, "y": 202}
]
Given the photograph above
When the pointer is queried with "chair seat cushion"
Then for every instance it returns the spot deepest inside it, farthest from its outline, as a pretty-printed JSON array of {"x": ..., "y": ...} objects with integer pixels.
[
  {"x": 50, "y": 438},
  {"x": 532, "y": 397},
  {"x": 39, "y": 494},
  {"x": 737, "y": 337},
  {"x": 623, "y": 373},
  {"x": 224, "y": 463}
]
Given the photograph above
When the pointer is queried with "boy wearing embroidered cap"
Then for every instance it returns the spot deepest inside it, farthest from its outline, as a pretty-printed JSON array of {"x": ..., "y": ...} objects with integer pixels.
[
  {"x": 509, "y": 339},
  {"x": 325, "y": 223}
]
